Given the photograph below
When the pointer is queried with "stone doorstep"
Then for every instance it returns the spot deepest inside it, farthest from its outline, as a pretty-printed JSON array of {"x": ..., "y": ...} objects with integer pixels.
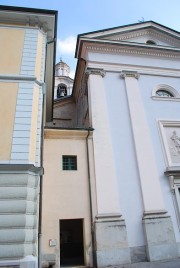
[
  {"x": 48, "y": 259},
  {"x": 174, "y": 263},
  {"x": 75, "y": 266}
]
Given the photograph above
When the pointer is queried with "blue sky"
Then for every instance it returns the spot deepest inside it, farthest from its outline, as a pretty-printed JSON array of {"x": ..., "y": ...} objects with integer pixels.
[{"x": 80, "y": 16}]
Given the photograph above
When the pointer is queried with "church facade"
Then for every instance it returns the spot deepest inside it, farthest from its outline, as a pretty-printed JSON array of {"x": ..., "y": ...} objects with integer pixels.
[{"x": 116, "y": 152}]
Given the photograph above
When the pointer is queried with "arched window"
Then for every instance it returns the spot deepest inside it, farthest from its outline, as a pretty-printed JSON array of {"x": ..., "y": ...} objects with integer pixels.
[
  {"x": 61, "y": 91},
  {"x": 165, "y": 91},
  {"x": 150, "y": 42}
]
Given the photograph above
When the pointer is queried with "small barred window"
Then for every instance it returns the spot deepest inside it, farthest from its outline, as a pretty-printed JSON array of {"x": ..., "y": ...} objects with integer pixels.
[{"x": 69, "y": 162}]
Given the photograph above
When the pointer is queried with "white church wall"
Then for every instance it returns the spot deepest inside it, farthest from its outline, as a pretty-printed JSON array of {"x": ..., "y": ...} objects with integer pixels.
[
  {"x": 126, "y": 168},
  {"x": 128, "y": 180},
  {"x": 138, "y": 62},
  {"x": 161, "y": 110}
]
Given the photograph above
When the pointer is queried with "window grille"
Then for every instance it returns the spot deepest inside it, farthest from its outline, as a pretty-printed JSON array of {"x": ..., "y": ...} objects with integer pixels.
[{"x": 69, "y": 162}]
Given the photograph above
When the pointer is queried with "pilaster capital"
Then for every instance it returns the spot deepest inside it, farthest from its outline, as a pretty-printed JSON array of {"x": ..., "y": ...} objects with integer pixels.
[
  {"x": 129, "y": 74},
  {"x": 95, "y": 71}
]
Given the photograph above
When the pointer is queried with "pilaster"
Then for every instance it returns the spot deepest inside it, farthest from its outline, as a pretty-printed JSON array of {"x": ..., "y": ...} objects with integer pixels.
[
  {"x": 148, "y": 174},
  {"x": 110, "y": 229},
  {"x": 158, "y": 228},
  {"x": 106, "y": 178}
]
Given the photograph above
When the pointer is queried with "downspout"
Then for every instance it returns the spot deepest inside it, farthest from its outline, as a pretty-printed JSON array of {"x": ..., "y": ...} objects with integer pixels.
[
  {"x": 41, "y": 186},
  {"x": 53, "y": 40},
  {"x": 90, "y": 204},
  {"x": 42, "y": 154}
]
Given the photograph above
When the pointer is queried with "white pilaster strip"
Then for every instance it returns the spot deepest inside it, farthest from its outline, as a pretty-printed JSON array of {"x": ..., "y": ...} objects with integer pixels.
[
  {"x": 43, "y": 57},
  {"x": 22, "y": 124},
  {"x": 38, "y": 140},
  {"x": 106, "y": 178},
  {"x": 28, "y": 64},
  {"x": 148, "y": 174}
]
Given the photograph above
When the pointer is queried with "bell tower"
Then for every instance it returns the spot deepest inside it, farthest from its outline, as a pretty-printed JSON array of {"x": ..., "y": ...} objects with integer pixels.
[{"x": 63, "y": 81}]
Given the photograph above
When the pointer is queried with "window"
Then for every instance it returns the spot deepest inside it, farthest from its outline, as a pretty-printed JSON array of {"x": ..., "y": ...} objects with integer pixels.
[
  {"x": 69, "y": 162},
  {"x": 164, "y": 93},
  {"x": 150, "y": 42},
  {"x": 61, "y": 91}
]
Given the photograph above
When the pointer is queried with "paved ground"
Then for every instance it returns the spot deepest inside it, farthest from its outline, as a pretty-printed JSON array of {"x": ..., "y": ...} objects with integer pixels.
[{"x": 160, "y": 264}]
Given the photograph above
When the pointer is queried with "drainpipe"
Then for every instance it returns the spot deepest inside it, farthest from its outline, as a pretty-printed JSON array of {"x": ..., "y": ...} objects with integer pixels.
[
  {"x": 90, "y": 204},
  {"x": 41, "y": 186},
  {"x": 42, "y": 145}
]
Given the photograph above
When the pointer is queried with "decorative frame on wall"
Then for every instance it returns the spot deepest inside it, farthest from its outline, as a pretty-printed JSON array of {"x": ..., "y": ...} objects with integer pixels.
[{"x": 170, "y": 137}]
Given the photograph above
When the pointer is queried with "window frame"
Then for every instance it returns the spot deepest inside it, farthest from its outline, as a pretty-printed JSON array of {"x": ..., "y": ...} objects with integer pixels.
[
  {"x": 68, "y": 165},
  {"x": 175, "y": 190},
  {"x": 167, "y": 88},
  {"x": 174, "y": 183}
]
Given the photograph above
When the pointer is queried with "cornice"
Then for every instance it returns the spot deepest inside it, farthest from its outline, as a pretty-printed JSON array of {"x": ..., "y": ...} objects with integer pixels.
[
  {"x": 172, "y": 171},
  {"x": 20, "y": 78},
  {"x": 132, "y": 50},
  {"x": 67, "y": 133},
  {"x": 159, "y": 35},
  {"x": 144, "y": 70},
  {"x": 64, "y": 77},
  {"x": 20, "y": 168}
]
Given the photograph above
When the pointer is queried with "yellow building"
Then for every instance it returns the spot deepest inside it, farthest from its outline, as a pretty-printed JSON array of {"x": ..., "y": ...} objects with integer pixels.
[{"x": 27, "y": 45}]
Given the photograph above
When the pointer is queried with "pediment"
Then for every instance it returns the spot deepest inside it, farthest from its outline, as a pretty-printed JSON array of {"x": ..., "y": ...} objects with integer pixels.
[{"x": 139, "y": 33}]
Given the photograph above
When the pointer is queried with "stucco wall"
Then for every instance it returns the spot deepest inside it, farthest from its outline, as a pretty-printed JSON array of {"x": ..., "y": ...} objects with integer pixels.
[
  {"x": 22, "y": 52},
  {"x": 8, "y": 97},
  {"x": 121, "y": 133},
  {"x": 65, "y": 193},
  {"x": 65, "y": 114},
  {"x": 11, "y": 47}
]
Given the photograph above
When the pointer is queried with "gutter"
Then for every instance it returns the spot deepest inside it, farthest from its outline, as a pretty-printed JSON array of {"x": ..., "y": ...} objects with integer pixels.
[
  {"x": 27, "y": 10},
  {"x": 90, "y": 203},
  {"x": 54, "y": 62}
]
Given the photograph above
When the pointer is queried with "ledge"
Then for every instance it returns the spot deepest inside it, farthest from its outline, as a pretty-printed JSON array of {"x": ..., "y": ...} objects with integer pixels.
[
  {"x": 172, "y": 171},
  {"x": 21, "y": 168},
  {"x": 67, "y": 133}
]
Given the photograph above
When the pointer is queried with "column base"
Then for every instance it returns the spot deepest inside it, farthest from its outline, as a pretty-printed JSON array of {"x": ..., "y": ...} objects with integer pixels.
[
  {"x": 111, "y": 241},
  {"x": 160, "y": 237}
]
